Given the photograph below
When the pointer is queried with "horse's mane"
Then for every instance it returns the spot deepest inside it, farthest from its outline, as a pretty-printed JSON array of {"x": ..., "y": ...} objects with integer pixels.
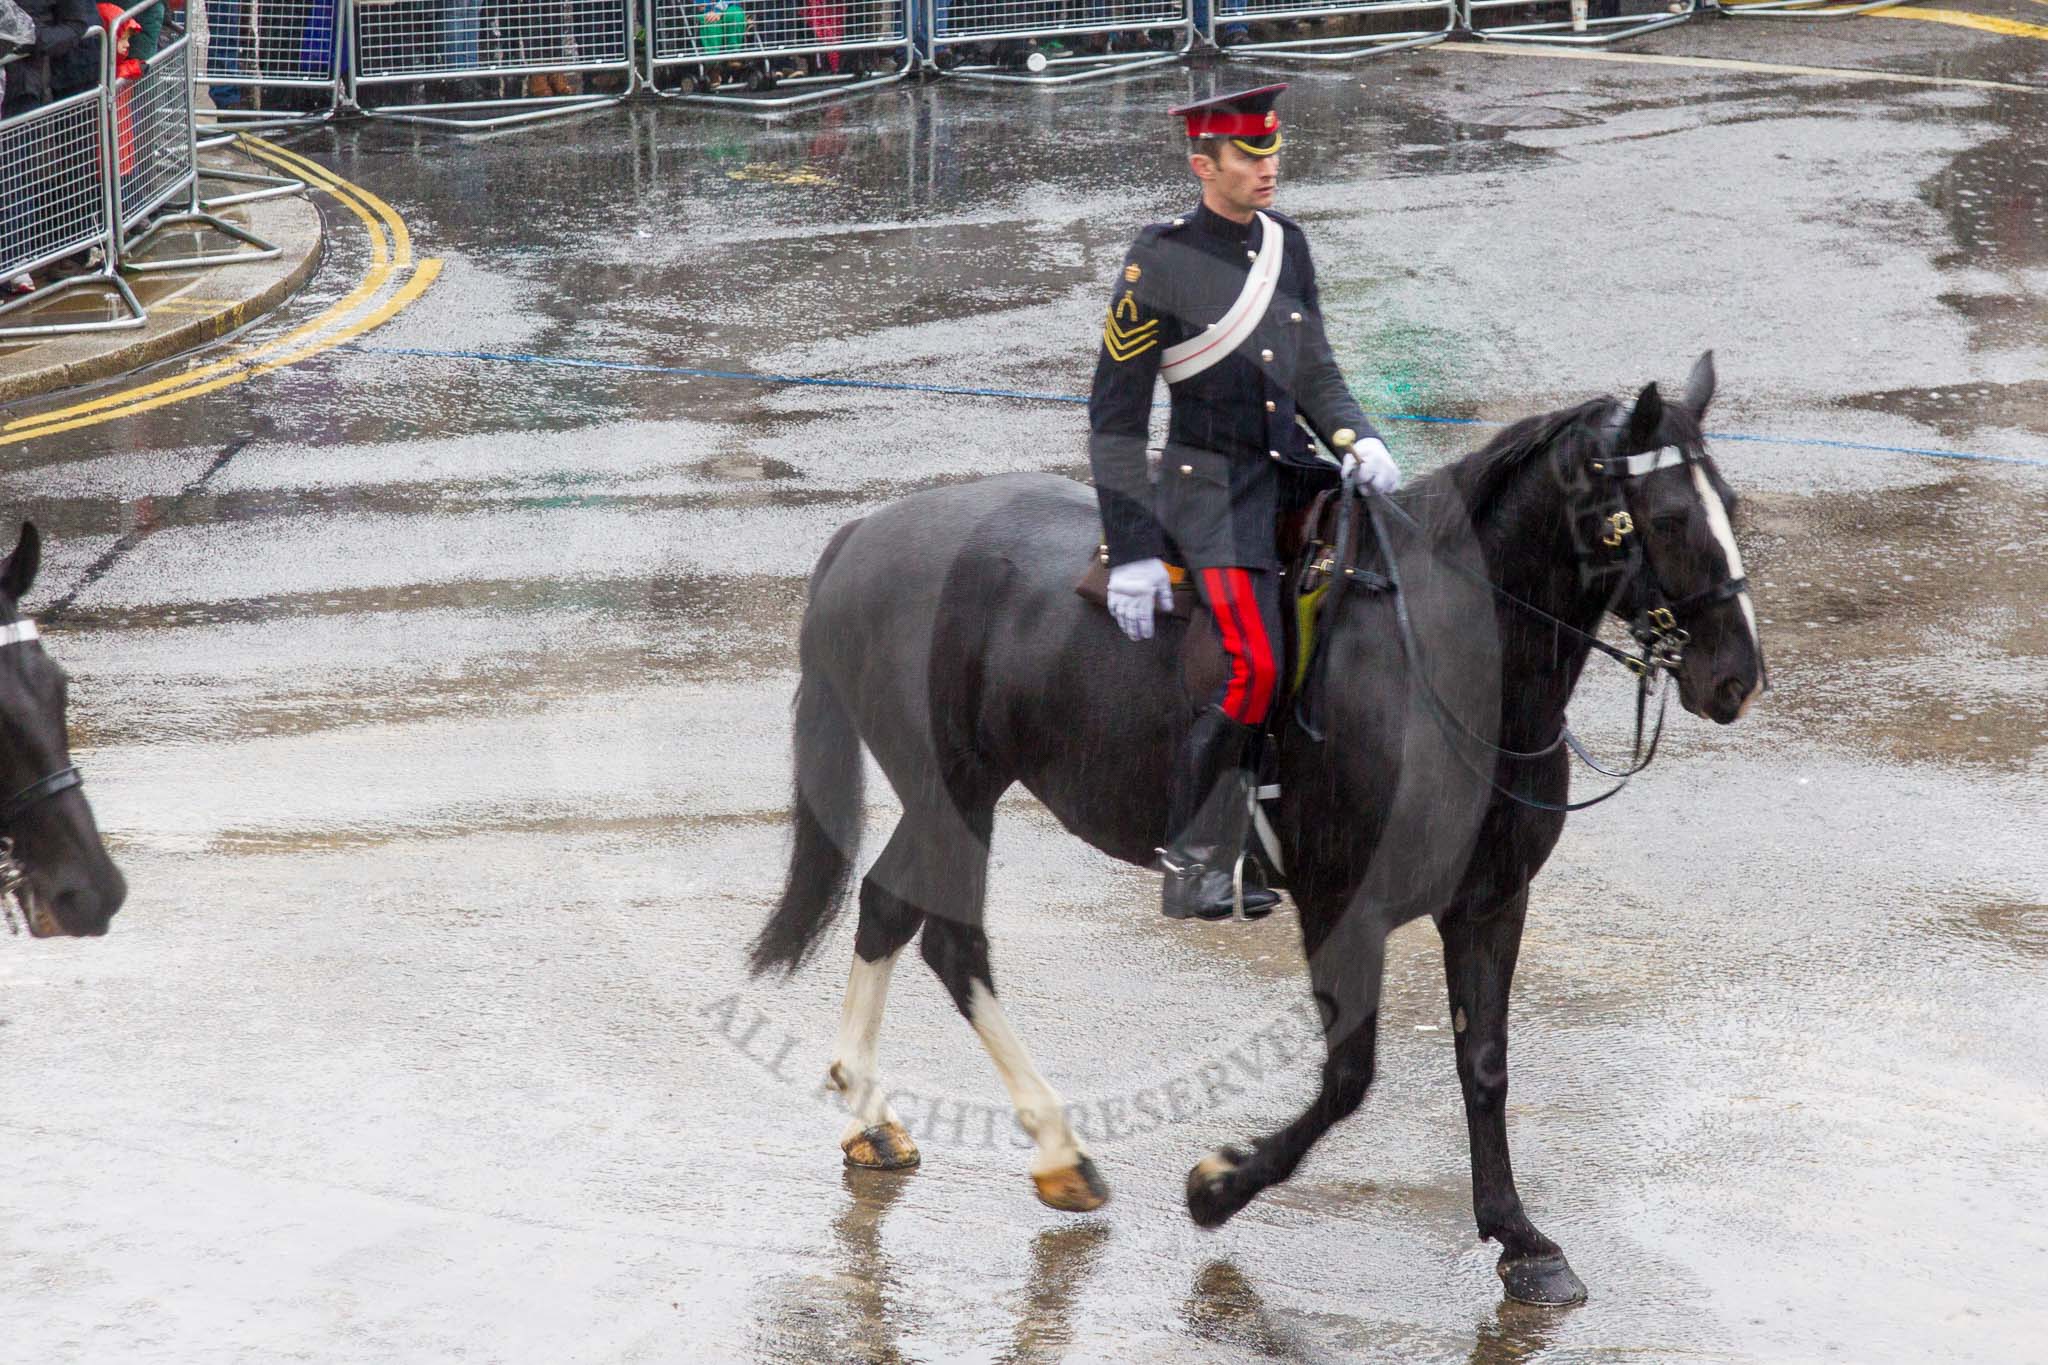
[
  {"x": 1482, "y": 478},
  {"x": 1485, "y": 475}
]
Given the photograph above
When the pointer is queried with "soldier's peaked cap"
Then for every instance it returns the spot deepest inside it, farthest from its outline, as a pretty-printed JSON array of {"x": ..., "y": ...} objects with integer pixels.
[{"x": 1247, "y": 118}]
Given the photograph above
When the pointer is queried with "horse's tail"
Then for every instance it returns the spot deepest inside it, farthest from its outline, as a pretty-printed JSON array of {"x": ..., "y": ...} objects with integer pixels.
[{"x": 825, "y": 809}]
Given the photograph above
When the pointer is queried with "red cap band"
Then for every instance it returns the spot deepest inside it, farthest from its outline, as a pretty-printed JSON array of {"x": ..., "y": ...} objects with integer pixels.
[{"x": 1232, "y": 125}]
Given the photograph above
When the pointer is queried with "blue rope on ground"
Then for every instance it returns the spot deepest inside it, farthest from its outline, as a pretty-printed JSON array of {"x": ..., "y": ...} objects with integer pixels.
[{"x": 1029, "y": 396}]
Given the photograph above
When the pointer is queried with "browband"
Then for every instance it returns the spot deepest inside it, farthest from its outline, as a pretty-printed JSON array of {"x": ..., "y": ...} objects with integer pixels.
[
  {"x": 1635, "y": 466},
  {"x": 18, "y": 632}
]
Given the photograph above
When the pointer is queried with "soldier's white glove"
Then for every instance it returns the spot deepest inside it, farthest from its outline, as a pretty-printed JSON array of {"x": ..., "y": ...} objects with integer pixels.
[
  {"x": 1134, "y": 588},
  {"x": 1368, "y": 465}
]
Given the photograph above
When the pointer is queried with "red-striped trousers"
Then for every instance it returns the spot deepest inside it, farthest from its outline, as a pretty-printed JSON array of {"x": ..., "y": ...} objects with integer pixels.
[{"x": 1246, "y": 606}]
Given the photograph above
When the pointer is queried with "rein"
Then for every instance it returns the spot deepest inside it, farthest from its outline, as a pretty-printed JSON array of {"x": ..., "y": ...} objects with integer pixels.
[
  {"x": 1655, "y": 659},
  {"x": 12, "y": 874},
  {"x": 1660, "y": 639}
]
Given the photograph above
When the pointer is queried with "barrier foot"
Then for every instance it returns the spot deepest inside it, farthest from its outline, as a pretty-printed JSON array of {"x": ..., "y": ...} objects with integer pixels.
[
  {"x": 1338, "y": 49},
  {"x": 137, "y": 316},
  {"x": 1799, "y": 9},
  {"x": 263, "y": 250},
  {"x": 273, "y": 187},
  {"x": 216, "y": 126},
  {"x": 830, "y": 87},
  {"x": 1093, "y": 67},
  {"x": 524, "y": 111},
  {"x": 1561, "y": 32}
]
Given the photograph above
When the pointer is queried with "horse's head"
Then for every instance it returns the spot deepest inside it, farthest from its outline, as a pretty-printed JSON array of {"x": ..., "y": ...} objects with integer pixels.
[
  {"x": 53, "y": 855},
  {"x": 1690, "y": 579}
]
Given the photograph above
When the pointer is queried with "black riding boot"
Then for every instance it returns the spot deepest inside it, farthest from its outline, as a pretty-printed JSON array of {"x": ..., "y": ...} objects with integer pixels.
[{"x": 1208, "y": 821}]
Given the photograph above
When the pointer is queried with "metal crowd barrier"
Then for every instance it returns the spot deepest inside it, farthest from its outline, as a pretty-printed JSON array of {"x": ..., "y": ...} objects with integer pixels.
[
  {"x": 1335, "y": 31},
  {"x": 56, "y": 200},
  {"x": 714, "y": 50},
  {"x": 514, "y": 61},
  {"x": 155, "y": 142},
  {"x": 1055, "y": 42},
  {"x": 104, "y": 171},
  {"x": 267, "y": 63},
  {"x": 1585, "y": 23}
]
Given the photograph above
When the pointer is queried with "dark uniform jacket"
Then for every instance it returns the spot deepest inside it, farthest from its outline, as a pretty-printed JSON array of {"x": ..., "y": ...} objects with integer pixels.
[{"x": 1234, "y": 452}]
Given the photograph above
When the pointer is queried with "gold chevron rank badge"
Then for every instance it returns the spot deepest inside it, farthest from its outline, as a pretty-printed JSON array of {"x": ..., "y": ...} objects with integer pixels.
[{"x": 1124, "y": 339}]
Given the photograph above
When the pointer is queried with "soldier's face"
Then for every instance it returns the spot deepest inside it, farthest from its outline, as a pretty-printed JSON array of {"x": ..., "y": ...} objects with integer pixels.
[{"x": 1240, "y": 181}]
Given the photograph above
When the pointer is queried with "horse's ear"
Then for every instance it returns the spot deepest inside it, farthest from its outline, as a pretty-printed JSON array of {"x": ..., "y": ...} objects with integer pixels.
[
  {"x": 21, "y": 566},
  {"x": 1646, "y": 420},
  {"x": 1699, "y": 385}
]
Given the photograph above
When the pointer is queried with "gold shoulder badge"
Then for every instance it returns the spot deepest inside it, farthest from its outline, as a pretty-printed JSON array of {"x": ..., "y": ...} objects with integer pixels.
[
  {"x": 1131, "y": 272},
  {"x": 1125, "y": 342}
]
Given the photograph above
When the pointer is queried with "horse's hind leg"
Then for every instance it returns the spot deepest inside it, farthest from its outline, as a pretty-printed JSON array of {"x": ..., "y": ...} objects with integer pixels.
[
  {"x": 1061, "y": 1167},
  {"x": 1480, "y": 948},
  {"x": 874, "y": 1136}
]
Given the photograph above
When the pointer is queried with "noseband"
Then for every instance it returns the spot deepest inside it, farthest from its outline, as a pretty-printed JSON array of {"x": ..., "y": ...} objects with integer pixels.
[{"x": 12, "y": 873}]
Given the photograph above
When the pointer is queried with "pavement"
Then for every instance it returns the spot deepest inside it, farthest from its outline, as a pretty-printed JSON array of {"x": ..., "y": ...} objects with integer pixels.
[
  {"x": 432, "y": 691},
  {"x": 186, "y": 308}
]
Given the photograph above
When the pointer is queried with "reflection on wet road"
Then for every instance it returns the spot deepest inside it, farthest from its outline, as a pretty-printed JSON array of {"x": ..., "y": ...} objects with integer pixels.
[{"x": 437, "y": 709}]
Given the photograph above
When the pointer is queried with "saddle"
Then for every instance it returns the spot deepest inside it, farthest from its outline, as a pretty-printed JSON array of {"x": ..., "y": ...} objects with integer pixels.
[{"x": 1319, "y": 545}]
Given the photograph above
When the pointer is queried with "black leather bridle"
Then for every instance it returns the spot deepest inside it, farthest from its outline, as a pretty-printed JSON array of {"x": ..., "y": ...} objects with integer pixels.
[
  {"x": 1655, "y": 627},
  {"x": 12, "y": 873}
]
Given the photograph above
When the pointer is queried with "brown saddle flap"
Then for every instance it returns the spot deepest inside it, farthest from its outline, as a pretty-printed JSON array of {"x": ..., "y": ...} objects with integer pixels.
[
  {"x": 1094, "y": 585},
  {"x": 1204, "y": 667}
]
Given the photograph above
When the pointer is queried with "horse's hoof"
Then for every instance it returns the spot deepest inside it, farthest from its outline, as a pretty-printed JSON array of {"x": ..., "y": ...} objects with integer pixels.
[
  {"x": 1078, "y": 1188},
  {"x": 884, "y": 1147},
  {"x": 1541, "y": 1279},
  {"x": 1213, "y": 1195}
]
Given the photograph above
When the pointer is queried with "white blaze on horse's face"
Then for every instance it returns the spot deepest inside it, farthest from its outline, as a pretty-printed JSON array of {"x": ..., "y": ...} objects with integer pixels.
[{"x": 1724, "y": 535}]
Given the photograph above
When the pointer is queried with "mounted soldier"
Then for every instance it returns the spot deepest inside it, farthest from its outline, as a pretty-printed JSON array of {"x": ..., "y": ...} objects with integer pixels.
[{"x": 1221, "y": 303}]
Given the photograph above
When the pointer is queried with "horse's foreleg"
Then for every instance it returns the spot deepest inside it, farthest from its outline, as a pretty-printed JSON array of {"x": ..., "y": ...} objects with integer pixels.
[
  {"x": 874, "y": 1136},
  {"x": 1479, "y": 963},
  {"x": 1344, "y": 964},
  {"x": 1061, "y": 1167}
]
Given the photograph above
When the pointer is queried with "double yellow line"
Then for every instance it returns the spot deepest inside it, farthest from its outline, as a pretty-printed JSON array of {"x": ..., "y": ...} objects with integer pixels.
[{"x": 391, "y": 258}]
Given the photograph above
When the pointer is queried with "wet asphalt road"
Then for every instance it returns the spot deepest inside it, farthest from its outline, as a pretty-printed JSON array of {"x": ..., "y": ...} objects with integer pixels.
[{"x": 441, "y": 731}]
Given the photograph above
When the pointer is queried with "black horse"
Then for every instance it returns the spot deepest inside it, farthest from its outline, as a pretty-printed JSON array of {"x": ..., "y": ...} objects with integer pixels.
[
  {"x": 944, "y": 631},
  {"x": 51, "y": 857}
]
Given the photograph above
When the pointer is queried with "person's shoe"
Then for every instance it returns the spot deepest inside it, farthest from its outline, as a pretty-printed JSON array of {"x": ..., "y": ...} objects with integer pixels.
[
  {"x": 1234, "y": 33},
  {"x": 1207, "y": 891},
  {"x": 1208, "y": 822},
  {"x": 539, "y": 87},
  {"x": 568, "y": 83}
]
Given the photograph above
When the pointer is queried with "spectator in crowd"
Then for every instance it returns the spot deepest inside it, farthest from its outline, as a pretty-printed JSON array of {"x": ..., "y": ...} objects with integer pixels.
[
  {"x": 60, "y": 63},
  {"x": 149, "y": 34},
  {"x": 459, "y": 34},
  {"x": 127, "y": 70},
  {"x": 17, "y": 36},
  {"x": 57, "y": 62},
  {"x": 228, "y": 48}
]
